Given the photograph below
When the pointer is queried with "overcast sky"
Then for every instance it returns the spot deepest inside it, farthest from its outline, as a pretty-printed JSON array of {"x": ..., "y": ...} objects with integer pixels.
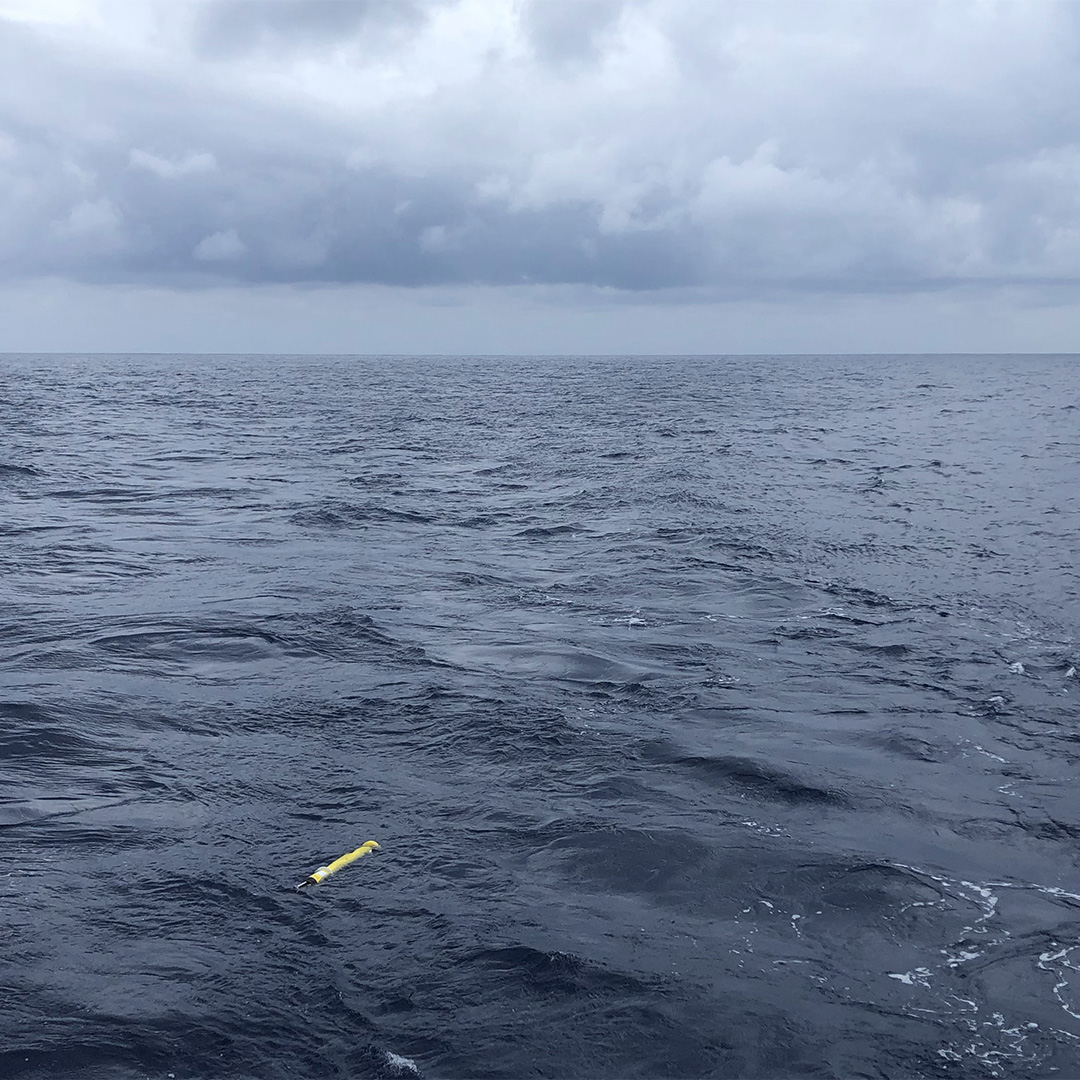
[{"x": 539, "y": 175}]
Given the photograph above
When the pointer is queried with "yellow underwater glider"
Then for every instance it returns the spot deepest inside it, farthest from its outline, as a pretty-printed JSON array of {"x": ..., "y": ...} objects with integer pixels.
[{"x": 324, "y": 872}]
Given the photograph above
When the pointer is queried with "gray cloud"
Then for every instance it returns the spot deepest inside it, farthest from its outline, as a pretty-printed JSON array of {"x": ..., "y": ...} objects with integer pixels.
[
  {"x": 641, "y": 146},
  {"x": 567, "y": 33},
  {"x": 224, "y": 29}
]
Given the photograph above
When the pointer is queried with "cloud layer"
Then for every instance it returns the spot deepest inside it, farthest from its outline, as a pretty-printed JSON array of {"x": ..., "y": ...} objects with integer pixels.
[{"x": 740, "y": 148}]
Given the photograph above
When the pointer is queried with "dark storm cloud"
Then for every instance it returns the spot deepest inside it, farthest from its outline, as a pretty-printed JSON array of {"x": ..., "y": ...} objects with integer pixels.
[{"x": 634, "y": 145}]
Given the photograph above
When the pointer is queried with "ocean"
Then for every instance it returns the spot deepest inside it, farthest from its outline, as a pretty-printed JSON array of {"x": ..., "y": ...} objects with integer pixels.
[{"x": 715, "y": 716}]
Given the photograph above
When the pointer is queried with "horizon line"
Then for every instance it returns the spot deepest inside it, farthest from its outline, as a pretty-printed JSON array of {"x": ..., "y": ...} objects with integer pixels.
[{"x": 524, "y": 355}]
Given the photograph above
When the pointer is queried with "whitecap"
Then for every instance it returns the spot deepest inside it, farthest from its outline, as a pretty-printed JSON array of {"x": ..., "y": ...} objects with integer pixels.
[{"x": 401, "y": 1064}]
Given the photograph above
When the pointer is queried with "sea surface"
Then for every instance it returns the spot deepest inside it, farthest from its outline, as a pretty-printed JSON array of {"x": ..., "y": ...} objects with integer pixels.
[{"x": 716, "y": 716}]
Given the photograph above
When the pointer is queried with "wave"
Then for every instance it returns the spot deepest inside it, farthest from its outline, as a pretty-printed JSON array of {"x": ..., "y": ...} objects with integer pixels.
[{"x": 746, "y": 777}]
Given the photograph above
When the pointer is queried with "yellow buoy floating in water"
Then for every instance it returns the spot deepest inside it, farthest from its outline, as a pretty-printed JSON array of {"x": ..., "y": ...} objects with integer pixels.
[{"x": 324, "y": 872}]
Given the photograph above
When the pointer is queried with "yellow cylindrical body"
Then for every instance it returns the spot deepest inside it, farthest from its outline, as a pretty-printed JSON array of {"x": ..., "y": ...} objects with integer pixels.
[{"x": 324, "y": 872}]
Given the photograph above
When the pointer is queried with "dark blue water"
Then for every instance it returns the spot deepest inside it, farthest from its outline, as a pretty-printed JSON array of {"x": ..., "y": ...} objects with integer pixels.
[{"x": 716, "y": 716}]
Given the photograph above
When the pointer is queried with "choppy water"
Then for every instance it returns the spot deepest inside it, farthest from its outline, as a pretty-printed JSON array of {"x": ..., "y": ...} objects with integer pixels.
[{"x": 717, "y": 717}]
